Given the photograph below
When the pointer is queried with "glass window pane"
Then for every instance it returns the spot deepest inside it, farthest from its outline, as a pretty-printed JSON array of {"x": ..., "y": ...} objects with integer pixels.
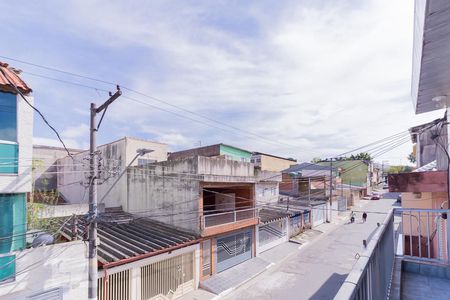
[
  {"x": 8, "y": 117},
  {"x": 7, "y": 268},
  {"x": 9, "y": 155}
]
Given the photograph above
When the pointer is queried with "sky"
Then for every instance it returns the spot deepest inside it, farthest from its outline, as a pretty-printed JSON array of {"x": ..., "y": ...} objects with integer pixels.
[{"x": 299, "y": 79}]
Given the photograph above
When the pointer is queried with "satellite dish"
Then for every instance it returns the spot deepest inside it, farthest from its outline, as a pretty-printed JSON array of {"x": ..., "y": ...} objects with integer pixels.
[{"x": 42, "y": 240}]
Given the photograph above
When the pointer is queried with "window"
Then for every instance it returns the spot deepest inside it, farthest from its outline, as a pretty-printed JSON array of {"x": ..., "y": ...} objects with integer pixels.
[
  {"x": 8, "y": 268},
  {"x": 8, "y": 117},
  {"x": 9, "y": 155}
]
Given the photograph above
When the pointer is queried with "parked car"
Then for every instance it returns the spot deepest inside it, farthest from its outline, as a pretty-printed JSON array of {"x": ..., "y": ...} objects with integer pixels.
[
  {"x": 375, "y": 196},
  {"x": 399, "y": 198}
]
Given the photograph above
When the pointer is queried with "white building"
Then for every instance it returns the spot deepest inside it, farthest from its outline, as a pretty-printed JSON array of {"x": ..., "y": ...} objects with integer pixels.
[
  {"x": 114, "y": 158},
  {"x": 16, "y": 129}
]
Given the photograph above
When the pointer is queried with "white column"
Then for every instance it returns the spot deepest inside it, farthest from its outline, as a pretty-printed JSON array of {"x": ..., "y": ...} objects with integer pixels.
[{"x": 135, "y": 283}]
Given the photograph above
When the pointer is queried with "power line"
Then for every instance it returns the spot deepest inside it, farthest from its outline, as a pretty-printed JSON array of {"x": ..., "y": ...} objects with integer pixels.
[
  {"x": 234, "y": 128},
  {"x": 37, "y": 110}
]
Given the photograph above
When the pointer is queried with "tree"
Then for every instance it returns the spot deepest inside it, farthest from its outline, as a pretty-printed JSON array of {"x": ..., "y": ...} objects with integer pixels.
[
  {"x": 399, "y": 169},
  {"x": 361, "y": 156},
  {"x": 316, "y": 160},
  {"x": 412, "y": 158}
]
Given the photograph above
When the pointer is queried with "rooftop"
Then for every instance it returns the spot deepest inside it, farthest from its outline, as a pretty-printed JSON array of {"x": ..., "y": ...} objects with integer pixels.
[
  {"x": 279, "y": 157},
  {"x": 9, "y": 74},
  {"x": 306, "y": 166},
  {"x": 125, "y": 237},
  {"x": 268, "y": 215}
]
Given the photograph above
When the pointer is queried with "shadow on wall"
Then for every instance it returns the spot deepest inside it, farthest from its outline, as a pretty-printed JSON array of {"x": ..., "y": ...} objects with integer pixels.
[{"x": 330, "y": 288}]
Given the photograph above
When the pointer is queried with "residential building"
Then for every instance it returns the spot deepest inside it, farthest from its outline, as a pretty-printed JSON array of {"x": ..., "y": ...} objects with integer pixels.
[
  {"x": 140, "y": 258},
  {"x": 269, "y": 162},
  {"x": 47, "y": 271},
  {"x": 217, "y": 150},
  {"x": 213, "y": 197},
  {"x": 114, "y": 157},
  {"x": 416, "y": 253},
  {"x": 426, "y": 187},
  {"x": 45, "y": 166},
  {"x": 306, "y": 181},
  {"x": 16, "y": 129}
]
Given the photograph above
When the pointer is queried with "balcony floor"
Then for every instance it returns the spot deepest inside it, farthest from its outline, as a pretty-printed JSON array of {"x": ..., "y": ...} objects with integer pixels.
[{"x": 417, "y": 286}]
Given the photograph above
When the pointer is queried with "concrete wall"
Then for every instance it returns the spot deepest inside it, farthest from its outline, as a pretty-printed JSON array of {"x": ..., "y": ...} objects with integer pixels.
[
  {"x": 21, "y": 182},
  {"x": 115, "y": 157},
  {"x": 170, "y": 191},
  {"x": 44, "y": 166},
  {"x": 266, "y": 192},
  {"x": 270, "y": 163},
  {"x": 165, "y": 194},
  {"x": 208, "y": 151},
  {"x": 135, "y": 267},
  {"x": 57, "y": 266}
]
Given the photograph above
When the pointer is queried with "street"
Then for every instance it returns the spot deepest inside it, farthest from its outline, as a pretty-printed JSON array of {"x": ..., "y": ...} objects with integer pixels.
[{"x": 318, "y": 269}]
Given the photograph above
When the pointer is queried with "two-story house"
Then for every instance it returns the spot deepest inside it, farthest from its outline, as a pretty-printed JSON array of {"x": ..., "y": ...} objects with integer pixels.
[{"x": 16, "y": 129}]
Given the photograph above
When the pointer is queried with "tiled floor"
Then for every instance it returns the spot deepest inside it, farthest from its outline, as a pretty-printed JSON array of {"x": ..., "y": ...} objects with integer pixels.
[{"x": 416, "y": 286}]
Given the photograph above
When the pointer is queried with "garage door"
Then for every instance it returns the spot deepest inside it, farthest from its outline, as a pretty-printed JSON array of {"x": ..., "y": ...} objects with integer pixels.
[
  {"x": 233, "y": 249},
  {"x": 271, "y": 235},
  {"x": 319, "y": 214}
]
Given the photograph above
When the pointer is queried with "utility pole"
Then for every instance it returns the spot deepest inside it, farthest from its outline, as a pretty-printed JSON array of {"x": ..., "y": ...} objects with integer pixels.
[
  {"x": 331, "y": 189},
  {"x": 93, "y": 168}
]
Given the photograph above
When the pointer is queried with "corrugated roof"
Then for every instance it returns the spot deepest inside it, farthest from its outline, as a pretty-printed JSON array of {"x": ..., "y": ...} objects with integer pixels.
[
  {"x": 124, "y": 236},
  {"x": 12, "y": 75},
  {"x": 269, "y": 215}
]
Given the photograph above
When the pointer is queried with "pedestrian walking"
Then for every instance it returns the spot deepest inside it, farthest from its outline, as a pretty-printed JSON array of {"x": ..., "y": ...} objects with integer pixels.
[{"x": 364, "y": 217}]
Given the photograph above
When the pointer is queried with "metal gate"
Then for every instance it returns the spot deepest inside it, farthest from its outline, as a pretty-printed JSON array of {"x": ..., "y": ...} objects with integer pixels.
[
  {"x": 233, "y": 249},
  {"x": 170, "y": 278},
  {"x": 116, "y": 286},
  {"x": 319, "y": 213},
  {"x": 342, "y": 204},
  {"x": 271, "y": 234}
]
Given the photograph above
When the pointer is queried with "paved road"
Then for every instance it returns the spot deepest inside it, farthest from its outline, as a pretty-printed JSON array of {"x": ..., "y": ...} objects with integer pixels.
[{"x": 317, "y": 270}]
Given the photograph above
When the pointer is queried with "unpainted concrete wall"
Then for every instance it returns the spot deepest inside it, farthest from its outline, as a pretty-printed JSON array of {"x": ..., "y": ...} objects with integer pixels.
[{"x": 115, "y": 157}]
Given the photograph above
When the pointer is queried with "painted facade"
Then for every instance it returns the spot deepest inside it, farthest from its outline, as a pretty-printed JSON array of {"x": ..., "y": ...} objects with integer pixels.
[{"x": 16, "y": 132}]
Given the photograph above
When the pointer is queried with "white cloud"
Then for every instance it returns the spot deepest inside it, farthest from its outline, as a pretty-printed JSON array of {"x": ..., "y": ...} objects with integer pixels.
[
  {"x": 74, "y": 132},
  {"x": 323, "y": 77}
]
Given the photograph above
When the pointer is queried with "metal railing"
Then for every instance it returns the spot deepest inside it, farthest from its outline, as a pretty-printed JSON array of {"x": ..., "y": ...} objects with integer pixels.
[
  {"x": 228, "y": 217},
  {"x": 421, "y": 234}
]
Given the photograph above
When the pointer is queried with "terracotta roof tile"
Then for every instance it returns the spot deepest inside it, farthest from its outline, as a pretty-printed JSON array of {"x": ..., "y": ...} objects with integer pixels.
[{"x": 13, "y": 76}]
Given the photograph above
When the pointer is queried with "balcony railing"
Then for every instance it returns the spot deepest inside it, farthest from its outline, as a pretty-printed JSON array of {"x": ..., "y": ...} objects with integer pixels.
[
  {"x": 228, "y": 217},
  {"x": 421, "y": 234}
]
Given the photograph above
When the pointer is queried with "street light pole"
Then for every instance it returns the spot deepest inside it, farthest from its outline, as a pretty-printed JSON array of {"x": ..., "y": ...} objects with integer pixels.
[{"x": 93, "y": 169}]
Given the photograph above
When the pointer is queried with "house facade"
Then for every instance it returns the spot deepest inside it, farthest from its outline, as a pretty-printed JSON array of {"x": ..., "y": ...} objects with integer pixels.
[
  {"x": 16, "y": 130},
  {"x": 114, "y": 157},
  {"x": 269, "y": 162},
  {"x": 211, "y": 196},
  {"x": 217, "y": 150},
  {"x": 425, "y": 188}
]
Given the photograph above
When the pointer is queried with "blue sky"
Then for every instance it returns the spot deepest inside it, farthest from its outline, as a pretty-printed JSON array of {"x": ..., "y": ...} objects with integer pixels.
[{"x": 313, "y": 78}]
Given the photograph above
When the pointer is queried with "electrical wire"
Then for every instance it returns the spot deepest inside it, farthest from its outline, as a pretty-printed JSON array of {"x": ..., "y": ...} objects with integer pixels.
[{"x": 37, "y": 110}]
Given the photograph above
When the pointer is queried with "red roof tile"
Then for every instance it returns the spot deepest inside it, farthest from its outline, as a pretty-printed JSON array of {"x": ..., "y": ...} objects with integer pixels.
[{"x": 13, "y": 76}]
